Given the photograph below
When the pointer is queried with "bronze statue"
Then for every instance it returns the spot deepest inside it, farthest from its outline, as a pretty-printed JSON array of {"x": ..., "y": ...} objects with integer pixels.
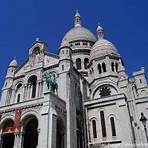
[{"x": 50, "y": 78}]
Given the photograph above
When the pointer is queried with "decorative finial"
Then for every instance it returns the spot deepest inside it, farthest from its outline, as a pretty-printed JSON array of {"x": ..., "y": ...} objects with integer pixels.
[
  {"x": 37, "y": 39},
  {"x": 100, "y": 32},
  {"x": 77, "y": 19}
]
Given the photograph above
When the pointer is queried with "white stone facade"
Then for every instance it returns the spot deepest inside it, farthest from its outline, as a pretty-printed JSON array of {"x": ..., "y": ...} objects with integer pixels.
[{"x": 89, "y": 102}]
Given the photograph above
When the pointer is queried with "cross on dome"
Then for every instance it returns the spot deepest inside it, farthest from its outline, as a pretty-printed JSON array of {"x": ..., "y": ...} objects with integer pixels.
[{"x": 37, "y": 39}]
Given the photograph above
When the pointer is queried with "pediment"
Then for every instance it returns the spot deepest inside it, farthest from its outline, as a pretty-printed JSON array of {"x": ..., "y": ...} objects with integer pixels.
[{"x": 49, "y": 59}]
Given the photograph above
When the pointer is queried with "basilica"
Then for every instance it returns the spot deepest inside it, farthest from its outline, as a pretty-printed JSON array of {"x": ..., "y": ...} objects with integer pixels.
[{"x": 80, "y": 97}]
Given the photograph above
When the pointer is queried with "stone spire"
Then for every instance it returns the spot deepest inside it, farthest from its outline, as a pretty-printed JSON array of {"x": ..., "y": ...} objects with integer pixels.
[
  {"x": 13, "y": 63},
  {"x": 100, "y": 32},
  {"x": 77, "y": 19}
]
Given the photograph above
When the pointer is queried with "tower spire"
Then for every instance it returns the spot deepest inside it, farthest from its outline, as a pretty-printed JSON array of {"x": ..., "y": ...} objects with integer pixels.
[
  {"x": 77, "y": 19},
  {"x": 100, "y": 32}
]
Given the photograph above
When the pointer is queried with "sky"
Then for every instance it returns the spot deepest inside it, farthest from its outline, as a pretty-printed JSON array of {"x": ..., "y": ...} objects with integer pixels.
[{"x": 125, "y": 24}]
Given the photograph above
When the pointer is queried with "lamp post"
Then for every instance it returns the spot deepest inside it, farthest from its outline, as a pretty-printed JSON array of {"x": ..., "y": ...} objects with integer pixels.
[{"x": 143, "y": 119}]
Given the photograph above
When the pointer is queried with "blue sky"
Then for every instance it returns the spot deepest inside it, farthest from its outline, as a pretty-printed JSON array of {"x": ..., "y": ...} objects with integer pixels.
[{"x": 21, "y": 21}]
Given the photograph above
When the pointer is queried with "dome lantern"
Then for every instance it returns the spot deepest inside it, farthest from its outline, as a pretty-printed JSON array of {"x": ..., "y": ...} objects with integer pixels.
[
  {"x": 100, "y": 32},
  {"x": 77, "y": 19}
]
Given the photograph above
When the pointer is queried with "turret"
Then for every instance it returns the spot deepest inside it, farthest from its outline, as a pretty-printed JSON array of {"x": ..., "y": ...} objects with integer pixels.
[
  {"x": 7, "y": 87},
  {"x": 140, "y": 82},
  {"x": 11, "y": 68},
  {"x": 65, "y": 61}
]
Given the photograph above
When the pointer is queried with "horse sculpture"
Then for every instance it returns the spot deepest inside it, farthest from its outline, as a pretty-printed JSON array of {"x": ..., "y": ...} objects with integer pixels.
[{"x": 50, "y": 78}]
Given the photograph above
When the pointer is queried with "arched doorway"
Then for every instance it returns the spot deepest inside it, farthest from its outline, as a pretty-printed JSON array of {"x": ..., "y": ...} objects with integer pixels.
[
  {"x": 60, "y": 134},
  {"x": 8, "y": 140},
  {"x": 7, "y": 134},
  {"x": 30, "y": 133}
]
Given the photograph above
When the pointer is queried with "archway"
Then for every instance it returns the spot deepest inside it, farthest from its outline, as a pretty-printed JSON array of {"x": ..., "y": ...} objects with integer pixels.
[
  {"x": 30, "y": 133},
  {"x": 7, "y": 134},
  {"x": 8, "y": 140},
  {"x": 60, "y": 134}
]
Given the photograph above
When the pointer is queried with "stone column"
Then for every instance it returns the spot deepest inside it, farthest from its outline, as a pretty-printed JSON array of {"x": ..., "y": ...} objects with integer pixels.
[
  {"x": 25, "y": 92},
  {"x": 41, "y": 89},
  {"x": 1, "y": 139},
  {"x": 13, "y": 96},
  {"x": 19, "y": 137},
  {"x": 16, "y": 140},
  {"x": 37, "y": 90},
  {"x": 30, "y": 93},
  {"x": 39, "y": 136},
  {"x": 54, "y": 131}
]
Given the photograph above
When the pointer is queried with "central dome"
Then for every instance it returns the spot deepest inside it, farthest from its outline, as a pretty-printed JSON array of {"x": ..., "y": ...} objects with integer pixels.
[{"x": 78, "y": 32}]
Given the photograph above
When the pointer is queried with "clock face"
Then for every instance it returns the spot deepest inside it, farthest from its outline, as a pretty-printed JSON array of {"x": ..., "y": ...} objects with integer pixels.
[{"x": 105, "y": 91}]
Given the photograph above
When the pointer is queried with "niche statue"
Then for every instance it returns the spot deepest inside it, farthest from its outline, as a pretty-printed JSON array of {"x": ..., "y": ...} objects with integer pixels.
[{"x": 50, "y": 78}]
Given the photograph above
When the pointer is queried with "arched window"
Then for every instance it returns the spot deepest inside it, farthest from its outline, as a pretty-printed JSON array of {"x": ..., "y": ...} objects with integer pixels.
[
  {"x": 78, "y": 63},
  {"x": 116, "y": 67},
  {"x": 18, "y": 92},
  {"x": 112, "y": 65},
  {"x": 19, "y": 86},
  {"x": 36, "y": 50},
  {"x": 103, "y": 126},
  {"x": 92, "y": 70},
  {"x": 62, "y": 67},
  {"x": 122, "y": 62},
  {"x": 94, "y": 128},
  {"x": 112, "y": 121},
  {"x": 104, "y": 67},
  {"x": 99, "y": 68},
  {"x": 18, "y": 98},
  {"x": 86, "y": 61},
  {"x": 32, "y": 83},
  {"x": 6, "y": 84}
]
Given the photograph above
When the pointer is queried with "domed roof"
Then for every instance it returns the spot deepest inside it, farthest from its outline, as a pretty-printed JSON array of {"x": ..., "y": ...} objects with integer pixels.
[
  {"x": 78, "y": 32},
  {"x": 13, "y": 63},
  {"x": 102, "y": 46}
]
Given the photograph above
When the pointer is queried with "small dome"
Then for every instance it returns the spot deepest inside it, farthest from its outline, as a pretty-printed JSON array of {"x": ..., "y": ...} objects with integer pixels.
[
  {"x": 13, "y": 63},
  {"x": 79, "y": 33},
  {"x": 102, "y": 47}
]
